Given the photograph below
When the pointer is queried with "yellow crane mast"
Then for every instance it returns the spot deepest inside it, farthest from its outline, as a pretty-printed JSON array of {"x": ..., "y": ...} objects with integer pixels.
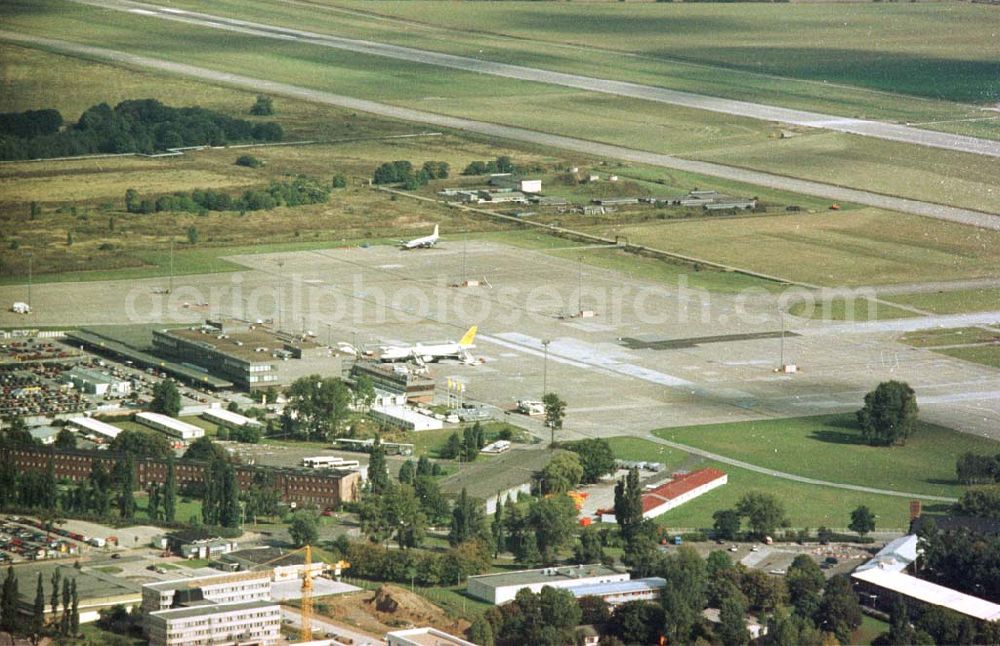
[{"x": 306, "y": 633}]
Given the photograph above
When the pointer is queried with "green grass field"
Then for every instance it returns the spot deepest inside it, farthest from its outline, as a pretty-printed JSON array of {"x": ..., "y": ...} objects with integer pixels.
[
  {"x": 958, "y": 178},
  {"x": 806, "y": 505},
  {"x": 830, "y": 448},
  {"x": 840, "y": 309},
  {"x": 949, "y": 336},
  {"x": 833, "y": 248},
  {"x": 955, "y": 302},
  {"x": 969, "y": 344},
  {"x": 807, "y": 55},
  {"x": 987, "y": 355}
]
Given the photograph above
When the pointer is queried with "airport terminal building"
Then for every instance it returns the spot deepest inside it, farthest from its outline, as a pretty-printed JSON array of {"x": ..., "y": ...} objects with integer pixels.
[{"x": 252, "y": 356}]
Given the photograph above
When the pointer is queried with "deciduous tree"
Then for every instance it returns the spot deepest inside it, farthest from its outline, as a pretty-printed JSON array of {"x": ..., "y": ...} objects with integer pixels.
[{"x": 889, "y": 415}]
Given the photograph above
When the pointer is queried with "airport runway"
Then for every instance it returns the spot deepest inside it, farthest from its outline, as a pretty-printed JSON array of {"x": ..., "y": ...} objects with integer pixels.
[
  {"x": 806, "y": 187},
  {"x": 381, "y": 295},
  {"x": 863, "y": 127}
]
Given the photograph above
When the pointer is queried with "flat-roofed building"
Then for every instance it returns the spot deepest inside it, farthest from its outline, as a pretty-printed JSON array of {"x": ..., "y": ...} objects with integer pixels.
[
  {"x": 170, "y": 426},
  {"x": 619, "y": 592},
  {"x": 252, "y": 622},
  {"x": 94, "y": 427},
  {"x": 397, "y": 378},
  {"x": 879, "y": 585},
  {"x": 95, "y": 382},
  {"x": 501, "y": 588},
  {"x": 238, "y": 587},
  {"x": 282, "y": 564},
  {"x": 424, "y": 637},
  {"x": 229, "y": 419},
  {"x": 405, "y": 418},
  {"x": 252, "y": 356},
  {"x": 681, "y": 488}
]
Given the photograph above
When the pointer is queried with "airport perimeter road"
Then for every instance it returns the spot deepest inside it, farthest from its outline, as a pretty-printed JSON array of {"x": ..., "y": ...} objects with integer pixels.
[
  {"x": 826, "y": 191},
  {"x": 864, "y": 127},
  {"x": 791, "y": 476}
]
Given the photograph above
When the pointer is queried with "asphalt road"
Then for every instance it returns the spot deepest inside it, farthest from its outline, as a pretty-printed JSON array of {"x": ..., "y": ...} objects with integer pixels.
[
  {"x": 864, "y": 127},
  {"x": 827, "y": 191}
]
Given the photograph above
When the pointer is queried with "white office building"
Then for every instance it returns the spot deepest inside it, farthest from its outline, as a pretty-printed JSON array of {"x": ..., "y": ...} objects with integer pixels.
[
  {"x": 238, "y": 587},
  {"x": 251, "y": 622},
  {"x": 170, "y": 426}
]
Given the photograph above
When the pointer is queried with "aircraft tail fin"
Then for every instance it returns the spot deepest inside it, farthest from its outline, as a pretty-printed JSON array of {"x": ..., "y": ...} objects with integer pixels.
[
  {"x": 469, "y": 337},
  {"x": 435, "y": 230}
]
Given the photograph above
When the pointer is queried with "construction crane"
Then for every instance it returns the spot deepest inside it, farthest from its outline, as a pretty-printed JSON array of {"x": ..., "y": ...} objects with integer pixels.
[
  {"x": 306, "y": 632},
  {"x": 306, "y": 611}
]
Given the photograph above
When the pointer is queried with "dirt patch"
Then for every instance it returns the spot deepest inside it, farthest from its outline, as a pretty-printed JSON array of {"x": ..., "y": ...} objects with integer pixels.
[{"x": 388, "y": 608}]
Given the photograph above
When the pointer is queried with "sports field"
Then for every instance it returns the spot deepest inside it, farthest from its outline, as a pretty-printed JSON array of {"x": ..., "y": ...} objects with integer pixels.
[
  {"x": 806, "y": 505},
  {"x": 960, "y": 179},
  {"x": 833, "y": 248},
  {"x": 831, "y": 448}
]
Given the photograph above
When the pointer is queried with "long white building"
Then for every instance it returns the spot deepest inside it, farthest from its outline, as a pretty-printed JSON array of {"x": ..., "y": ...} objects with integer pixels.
[
  {"x": 251, "y": 622},
  {"x": 229, "y": 419},
  {"x": 89, "y": 425},
  {"x": 170, "y": 426},
  {"x": 501, "y": 588}
]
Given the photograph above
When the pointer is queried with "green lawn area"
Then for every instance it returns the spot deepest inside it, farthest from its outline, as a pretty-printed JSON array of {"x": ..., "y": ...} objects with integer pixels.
[
  {"x": 948, "y": 336},
  {"x": 988, "y": 355},
  {"x": 958, "y": 178},
  {"x": 955, "y": 302},
  {"x": 194, "y": 563},
  {"x": 109, "y": 569},
  {"x": 841, "y": 309},
  {"x": 869, "y": 630},
  {"x": 830, "y": 448},
  {"x": 806, "y": 505},
  {"x": 187, "y": 508},
  {"x": 90, "y": 633},
  {"x": 834, "y": 248},
  {"x": 803, "y": 56}
]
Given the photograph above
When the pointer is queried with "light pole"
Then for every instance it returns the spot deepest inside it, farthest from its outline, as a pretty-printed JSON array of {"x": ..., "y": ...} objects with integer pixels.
[
  {"x": 545, "y": 367},
  {"x": 31, "y": 258}
]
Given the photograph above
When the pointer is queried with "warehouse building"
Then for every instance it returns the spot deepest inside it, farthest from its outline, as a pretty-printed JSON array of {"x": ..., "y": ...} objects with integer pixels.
[
  {"x": 405, "y": 418},
  {"x": 681, "y": 488},
  {"x": 878, "y": 586},
  {"x": 252, "y": 356},
  {"x": 96, "y": 590},
  {"x": 252, "y": 622},
  {"x": 229, "y": 419},
  {"x": 501, "y": 588},
  {"x": 170, "y": 426},
  {"x": 94, "y": 428},
  {"x": 95, "y": 382}
]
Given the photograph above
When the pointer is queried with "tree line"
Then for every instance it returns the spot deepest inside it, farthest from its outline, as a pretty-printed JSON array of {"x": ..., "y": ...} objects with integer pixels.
[
  {"x": 403, "y": 172},
  {"x": 297, "y": 191},
  {"x": 134, "y": 126}
]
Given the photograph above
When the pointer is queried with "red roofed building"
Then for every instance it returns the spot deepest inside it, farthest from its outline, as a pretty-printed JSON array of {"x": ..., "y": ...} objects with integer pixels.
[{"x": 681, "y": 488}]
